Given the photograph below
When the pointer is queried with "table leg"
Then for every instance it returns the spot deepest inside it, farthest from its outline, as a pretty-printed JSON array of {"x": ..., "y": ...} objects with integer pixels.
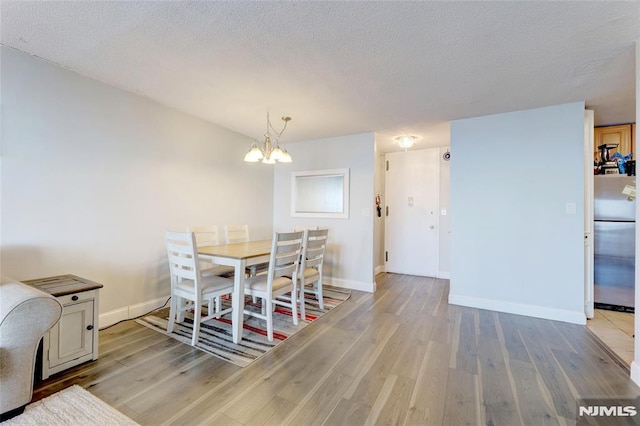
[{"x": 237, "y": 314}]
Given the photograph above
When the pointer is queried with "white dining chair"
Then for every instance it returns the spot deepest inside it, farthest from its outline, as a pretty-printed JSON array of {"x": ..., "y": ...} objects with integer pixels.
[
  {"x": 280, "y": 279},
  {"x": 310, "y": 274},
  {"x": 236, "y": 233},
  {"x": 240, "y": 234},
  {"x": 297, "y": 228},
  {"x": 187, "y": 284},
  {"x": 209, "y": 236}
]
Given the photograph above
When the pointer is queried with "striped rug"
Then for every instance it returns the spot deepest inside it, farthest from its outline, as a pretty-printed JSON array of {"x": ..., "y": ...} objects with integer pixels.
[{"x": 216, "y": 337}]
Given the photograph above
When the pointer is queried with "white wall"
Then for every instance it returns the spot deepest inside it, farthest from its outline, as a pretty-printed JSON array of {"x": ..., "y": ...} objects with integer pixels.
[
  {"x": 349, "y": 257},
  {"x": 513, "y": 246},
  {"x": 93, "y": 175}
]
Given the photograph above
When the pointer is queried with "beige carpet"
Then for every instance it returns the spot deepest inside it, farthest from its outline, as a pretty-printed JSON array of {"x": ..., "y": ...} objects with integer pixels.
[{"x": 71, "y": 406}]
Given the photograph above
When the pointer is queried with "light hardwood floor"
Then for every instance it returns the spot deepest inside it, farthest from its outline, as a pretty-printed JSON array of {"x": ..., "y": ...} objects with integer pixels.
[
  {"x": 402, "y": 355},
  {"x": 616, "y": 330}
]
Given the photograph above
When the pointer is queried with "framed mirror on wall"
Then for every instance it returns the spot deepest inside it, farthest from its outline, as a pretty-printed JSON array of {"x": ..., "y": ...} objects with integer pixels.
[{"x": 320, "y": 193}]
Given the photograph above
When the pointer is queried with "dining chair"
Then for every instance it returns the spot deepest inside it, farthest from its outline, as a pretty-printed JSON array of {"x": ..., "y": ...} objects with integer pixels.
[
  {"x": 240, "y": 234},
  {"x": 188, "y": 284},
  {"x": 297, "y": 228},
  {"x": 236, "y": 233},
  {"x": 209, "y": 236},
  {"x": 280, "y": 279},
  {"x": 310, "y": 274}
]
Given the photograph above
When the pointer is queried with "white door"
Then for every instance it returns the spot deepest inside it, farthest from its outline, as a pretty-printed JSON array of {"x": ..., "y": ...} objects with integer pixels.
[{"x": 411, "y": 216}]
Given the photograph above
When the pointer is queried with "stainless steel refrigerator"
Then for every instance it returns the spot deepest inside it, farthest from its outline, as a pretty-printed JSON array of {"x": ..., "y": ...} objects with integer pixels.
[{"x": 614, "y": 242}]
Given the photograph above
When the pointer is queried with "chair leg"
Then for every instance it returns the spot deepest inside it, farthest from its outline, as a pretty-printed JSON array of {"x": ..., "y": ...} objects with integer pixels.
[
  {"x": 181, "y": 304},
  {"x": 303, "y": 313},
  {"x": 172, "y": 313},
  {"x": 319, "y": 294},
  {"x": 294, "y": 305},
  {"x": 196, "y": 323},
  {"x": 252, "y": 272},
  {"x": 267, "y": 301}
]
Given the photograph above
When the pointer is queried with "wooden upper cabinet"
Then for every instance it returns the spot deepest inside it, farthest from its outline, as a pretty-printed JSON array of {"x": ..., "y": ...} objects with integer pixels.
[
  {"x": 633, "y": 140},
  {"x": 619, "y": 135}
]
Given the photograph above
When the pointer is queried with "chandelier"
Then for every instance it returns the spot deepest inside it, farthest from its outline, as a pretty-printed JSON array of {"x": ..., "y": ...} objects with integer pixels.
[{"x": 269, "y": 150}]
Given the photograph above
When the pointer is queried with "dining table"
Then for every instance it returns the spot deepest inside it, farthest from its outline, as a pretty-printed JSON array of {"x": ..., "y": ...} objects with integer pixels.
[{"x": 239, "y": 256}]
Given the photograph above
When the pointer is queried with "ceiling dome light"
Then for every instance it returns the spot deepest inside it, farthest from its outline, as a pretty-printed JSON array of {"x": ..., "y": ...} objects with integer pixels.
[{"x": 405, "y": 141}]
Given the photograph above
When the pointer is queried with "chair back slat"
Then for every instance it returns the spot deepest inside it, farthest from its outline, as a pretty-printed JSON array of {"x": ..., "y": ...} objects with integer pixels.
[
  {"x": 205, "y": 235},
  {"x": 182, "y": 255},
  {"x": 314, "y": 248},
  {"x": 285, "y": 254},
  {"x": 236, "y": 233}
]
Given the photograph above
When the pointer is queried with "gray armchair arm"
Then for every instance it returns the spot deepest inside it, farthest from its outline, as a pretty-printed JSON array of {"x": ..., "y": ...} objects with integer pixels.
[{"x": 26, "y": 314}]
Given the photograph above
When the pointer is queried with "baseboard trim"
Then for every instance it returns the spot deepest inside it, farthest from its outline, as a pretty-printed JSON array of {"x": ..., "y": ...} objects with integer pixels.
[
  {"x": 112, "y": 317},
  {"x": 351, "y": 285},
  {"x": 129, "y": 312},
  {"x": 635, "y": 372},
  {"x": 519, "y": 309},
  {"x": 379, "y": 270}
]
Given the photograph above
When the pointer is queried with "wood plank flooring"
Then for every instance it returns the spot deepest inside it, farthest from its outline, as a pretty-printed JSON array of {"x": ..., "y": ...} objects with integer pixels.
[{"x": 402, "y": 355}]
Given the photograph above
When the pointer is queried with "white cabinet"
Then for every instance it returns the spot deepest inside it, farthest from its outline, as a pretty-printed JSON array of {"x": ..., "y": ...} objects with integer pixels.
[
  {"x": 74, "y": 339},
  {"x": 70, "y": 341}
]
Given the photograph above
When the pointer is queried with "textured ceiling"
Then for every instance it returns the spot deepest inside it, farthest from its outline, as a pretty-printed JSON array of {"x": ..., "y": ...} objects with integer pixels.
[{"x": 342, "y": 68}]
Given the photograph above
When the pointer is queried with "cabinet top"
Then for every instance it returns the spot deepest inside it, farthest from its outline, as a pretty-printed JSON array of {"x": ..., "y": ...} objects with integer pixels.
[{"x": 63, "y": 284}]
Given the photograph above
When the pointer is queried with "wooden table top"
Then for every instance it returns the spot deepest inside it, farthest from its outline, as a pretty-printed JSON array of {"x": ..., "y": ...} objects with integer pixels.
[
  {"x": 238, "y": 250},
  {"x": 62, "y": 285}
]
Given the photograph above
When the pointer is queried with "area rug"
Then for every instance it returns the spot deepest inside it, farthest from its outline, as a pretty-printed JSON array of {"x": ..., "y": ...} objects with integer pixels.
[
  {"x": 216, "y": 335},
  {"x": 71, "y": 406}
]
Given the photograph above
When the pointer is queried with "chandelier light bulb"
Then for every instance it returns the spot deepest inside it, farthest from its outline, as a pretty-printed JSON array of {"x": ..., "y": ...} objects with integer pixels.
[
  {"x": 286, "y": 157},
  {"x": 254, "y": 155}
]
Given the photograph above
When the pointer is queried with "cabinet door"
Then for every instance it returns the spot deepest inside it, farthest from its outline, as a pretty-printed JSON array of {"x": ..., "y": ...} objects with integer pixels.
[
  {"x": 619, "y": 135},
  {"x": 633, "y": 140},
  {"x": 72, "y": 337}
]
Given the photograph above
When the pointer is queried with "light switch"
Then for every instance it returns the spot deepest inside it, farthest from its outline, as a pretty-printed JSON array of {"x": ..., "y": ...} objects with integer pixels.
[
  {"x": 570, "y": 208},
  {"x": 410, "y": 201},
  {"x": 443, "y": 212}
]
